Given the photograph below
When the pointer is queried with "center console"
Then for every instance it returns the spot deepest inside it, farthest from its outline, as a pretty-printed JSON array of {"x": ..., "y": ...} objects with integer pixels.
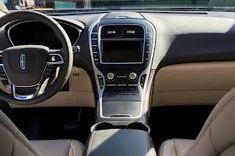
[{"x": 121, "y": 50}]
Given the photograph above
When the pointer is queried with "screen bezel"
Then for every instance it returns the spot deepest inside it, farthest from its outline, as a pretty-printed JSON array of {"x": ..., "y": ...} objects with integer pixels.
[
  {"x": 137, "y": 62},
  {"x": 100, "y": 44}
]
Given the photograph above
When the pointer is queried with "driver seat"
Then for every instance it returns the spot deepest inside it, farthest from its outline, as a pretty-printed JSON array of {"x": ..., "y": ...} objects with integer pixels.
[
  {"x": 217, "y": 137},
  {"x": 14, "y": 143}
]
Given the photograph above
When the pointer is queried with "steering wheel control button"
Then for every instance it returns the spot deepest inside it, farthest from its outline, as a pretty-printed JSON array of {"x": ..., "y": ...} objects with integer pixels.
[
  {"x": 48, "y": 71},
  {"x": 55, "y": 59},
  {"x": 132, "y": 76},
  {"x": 110, "y": 76},
  {"x": 76, "y": 49}
]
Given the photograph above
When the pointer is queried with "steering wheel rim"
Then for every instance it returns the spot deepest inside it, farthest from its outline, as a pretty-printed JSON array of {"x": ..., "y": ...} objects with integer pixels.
[{"x": 65, "y": 52}]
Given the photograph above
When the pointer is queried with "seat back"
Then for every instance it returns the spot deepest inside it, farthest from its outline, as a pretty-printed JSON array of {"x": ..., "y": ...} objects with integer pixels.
[
  {"x": 12, "y": 141},
  {"x": 217, "y": 136}
]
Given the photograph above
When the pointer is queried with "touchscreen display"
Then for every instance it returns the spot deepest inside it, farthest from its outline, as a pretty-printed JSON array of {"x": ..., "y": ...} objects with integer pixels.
[{"x": 121, "y": 51}]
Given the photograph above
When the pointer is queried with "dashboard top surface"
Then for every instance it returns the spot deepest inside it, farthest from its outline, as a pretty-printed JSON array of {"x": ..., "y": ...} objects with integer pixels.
[{"x": 181, "y": 38}]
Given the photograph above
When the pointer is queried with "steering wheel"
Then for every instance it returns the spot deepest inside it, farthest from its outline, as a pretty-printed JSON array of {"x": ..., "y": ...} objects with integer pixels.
[{"x": 35, "y": 72}]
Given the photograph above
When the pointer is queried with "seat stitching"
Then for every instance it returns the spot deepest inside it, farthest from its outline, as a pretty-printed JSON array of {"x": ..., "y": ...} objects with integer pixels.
[
  {"x": 72, "y": 149},
  {"x": 161, "y": 148},
  {"x": 69, "y": 147},
  {"x": 212, "y": 142},
  {"x": 90, "y": 142},
  {"x": 176, "y": 153},
  {"x": 12, "y": 150}
]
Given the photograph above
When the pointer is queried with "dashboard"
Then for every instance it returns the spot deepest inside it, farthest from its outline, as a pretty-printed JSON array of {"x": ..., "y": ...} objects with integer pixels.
[{"x": 122, "y": 51}]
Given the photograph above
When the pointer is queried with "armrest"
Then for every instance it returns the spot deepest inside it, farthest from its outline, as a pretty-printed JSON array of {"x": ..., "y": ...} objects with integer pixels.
[{"x": 120, "y": 142}]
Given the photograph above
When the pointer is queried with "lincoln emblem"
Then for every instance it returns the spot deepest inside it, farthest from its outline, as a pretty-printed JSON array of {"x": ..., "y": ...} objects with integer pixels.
[{"x": 22, "y": 61}]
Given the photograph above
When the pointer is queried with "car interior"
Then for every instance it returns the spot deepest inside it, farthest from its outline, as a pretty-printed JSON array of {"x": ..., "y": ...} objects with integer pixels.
[{"x": 134, "y": 81}]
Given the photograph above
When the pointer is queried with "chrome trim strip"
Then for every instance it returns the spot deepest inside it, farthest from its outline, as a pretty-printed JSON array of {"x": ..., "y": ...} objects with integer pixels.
[{"x": 23, "y": 97}]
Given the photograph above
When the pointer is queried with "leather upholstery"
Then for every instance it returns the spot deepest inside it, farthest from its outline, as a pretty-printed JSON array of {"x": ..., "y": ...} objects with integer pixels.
[
  {"x": 175, "y": 147},
  {"x": 217, "y": 136},
  {"x": 58, "y": 147},
  {"x": 14, "y": 143}
]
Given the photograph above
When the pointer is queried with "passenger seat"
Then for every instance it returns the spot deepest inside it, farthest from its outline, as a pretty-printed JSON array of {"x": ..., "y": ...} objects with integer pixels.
[{"x": 14, "y": 143}]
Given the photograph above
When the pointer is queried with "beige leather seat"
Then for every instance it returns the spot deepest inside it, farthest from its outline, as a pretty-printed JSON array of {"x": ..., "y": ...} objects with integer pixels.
[
  {"x": 14, "y": 143},
  {"x": 217, "y": 137}
]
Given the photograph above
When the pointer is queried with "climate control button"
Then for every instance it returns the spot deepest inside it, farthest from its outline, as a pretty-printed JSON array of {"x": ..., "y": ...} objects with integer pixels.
[
  {"x": 110, "y": 76},
  {"x": 132, "y": 76}
]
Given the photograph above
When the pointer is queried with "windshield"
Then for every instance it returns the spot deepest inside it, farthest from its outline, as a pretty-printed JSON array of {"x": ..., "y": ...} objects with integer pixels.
[{"x": 114, "y": 4}]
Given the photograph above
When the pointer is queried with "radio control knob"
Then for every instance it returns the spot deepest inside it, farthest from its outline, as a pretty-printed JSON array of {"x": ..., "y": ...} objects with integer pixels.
[
  {"x": 110, "y": 76},
  {"x": 132, "y": 76}
]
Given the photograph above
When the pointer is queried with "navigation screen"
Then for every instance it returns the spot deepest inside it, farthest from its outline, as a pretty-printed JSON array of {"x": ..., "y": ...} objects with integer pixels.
[{"x": 122, "y": 51}]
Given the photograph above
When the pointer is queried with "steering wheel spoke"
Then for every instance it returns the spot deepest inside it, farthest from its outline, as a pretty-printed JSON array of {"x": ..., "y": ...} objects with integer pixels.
[
  {"x": 2, "y": 72},
  {"x": 24, "y": 93},
  {"x": 2, "y": 69}
]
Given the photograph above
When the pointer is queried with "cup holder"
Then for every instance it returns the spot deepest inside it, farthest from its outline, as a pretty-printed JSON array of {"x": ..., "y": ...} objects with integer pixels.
[
  {"x": 131, "y": 126},
  {"x": 139, "y": 126},
  {"x": 101, "y": 126}
]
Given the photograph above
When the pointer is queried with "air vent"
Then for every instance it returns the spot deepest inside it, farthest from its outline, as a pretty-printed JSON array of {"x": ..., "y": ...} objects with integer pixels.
[{"x": 122, "y": 31}]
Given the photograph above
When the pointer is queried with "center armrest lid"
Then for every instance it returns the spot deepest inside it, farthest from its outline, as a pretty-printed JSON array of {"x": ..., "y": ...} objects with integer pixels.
[{"x": 120, "y": 142}]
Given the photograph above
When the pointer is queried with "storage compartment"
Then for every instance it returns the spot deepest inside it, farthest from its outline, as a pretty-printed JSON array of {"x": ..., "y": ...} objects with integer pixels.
[
  {"x": 129, "y": 141},
  {"x": 120, "y": 109}
]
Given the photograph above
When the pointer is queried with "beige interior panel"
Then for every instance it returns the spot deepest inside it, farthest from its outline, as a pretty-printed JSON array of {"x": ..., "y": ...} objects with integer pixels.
[
  {"x": 193, "y": 83},
  {"x": 80, "y": 93}
]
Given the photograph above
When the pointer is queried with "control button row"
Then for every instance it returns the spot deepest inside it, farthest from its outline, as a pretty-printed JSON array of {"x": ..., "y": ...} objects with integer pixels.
[
  {"x": 111, "y": 76},
  {"x": 126, "y": 93},
  {"x": 121, "y": 85}
]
